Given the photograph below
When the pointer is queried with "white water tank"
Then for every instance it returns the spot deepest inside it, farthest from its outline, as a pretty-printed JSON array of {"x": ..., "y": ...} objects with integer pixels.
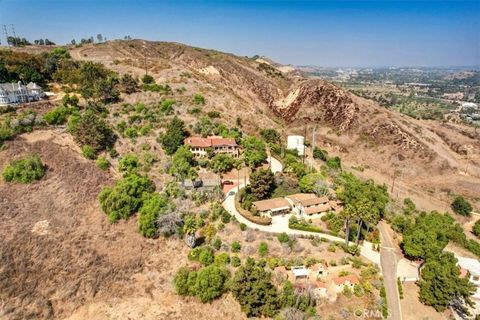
[{"x": 296, "y": 143}]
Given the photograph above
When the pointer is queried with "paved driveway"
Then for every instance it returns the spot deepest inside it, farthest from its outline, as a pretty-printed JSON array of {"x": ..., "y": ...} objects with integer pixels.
[
  {"x": 280, "y": 225},
  {"x": 388, "y": 258}
]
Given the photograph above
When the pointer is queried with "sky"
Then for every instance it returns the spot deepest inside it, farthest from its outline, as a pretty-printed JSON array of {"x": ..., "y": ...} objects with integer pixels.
[{"x": 323, "y": 33}]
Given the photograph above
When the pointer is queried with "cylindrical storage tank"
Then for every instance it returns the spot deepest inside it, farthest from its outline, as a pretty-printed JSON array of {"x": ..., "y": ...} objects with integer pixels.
[{"x": 296, "y": 143}]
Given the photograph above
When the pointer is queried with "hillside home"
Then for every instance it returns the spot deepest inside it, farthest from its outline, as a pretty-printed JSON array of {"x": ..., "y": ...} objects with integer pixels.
[
  {"x": 473, "y": 268},
  {"x": 16, "y": 93},
  {"x": 305, "y": 204},
  {"x": 200, "y": 147},
  {"x": 318, "y": 271},
  {"x": 271, "y": 207},
  {"x": 346, "y": 281},
  {"x": 206, "y": 180},
  {"x": 299, "y": 272}
]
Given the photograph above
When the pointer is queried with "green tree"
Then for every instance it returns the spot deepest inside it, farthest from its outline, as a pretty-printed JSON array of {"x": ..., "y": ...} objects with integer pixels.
[
  {"x": 24, "y": 170},
  {"x": 89, "y": 129},
  {"x": 253, "y": 289},
  {"x": 174, "y": 136},
  {"x": 254, "y": 151},
  {"x": 183, "y": 164},
  {"x": 210, "y": 283},
  {"x": 270, "y": 135},
  {"x": 125, "y": 197},
  {"x": 313, "y": 183},
  {"x": 462, "y": 206},
  {"x": 261, "y": 183},
  {"x": 222, "y": 163},
  {"x": 441, "y": 283},
  {"x": 155, "y": 205}
]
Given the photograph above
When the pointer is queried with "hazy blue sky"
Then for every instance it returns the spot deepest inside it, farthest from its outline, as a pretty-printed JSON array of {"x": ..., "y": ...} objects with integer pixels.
[{"x": 326, "y": 33}]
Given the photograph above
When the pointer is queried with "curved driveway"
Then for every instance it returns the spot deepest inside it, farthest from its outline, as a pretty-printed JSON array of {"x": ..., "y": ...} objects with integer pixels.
[{"x": 280, "y": 225}]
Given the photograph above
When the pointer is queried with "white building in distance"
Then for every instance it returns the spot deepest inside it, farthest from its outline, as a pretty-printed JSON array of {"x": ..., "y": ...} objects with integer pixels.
[
  {"x": 296, "y": 143},
  {"x": 16, "y": 93}
]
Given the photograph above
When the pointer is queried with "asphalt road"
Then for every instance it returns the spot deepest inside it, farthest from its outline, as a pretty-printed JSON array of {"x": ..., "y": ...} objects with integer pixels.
[{"x": 388, "y": 261}]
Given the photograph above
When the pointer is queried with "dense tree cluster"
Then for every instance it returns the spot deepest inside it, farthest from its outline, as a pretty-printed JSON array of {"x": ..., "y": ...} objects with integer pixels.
[
  {"x": 441, "y": 283},
  {"x": 364, "y": 201},
  {"x": 429, "y": 235}
]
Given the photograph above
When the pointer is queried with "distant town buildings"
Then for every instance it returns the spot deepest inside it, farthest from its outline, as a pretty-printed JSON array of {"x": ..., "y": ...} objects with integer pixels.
[
  {"x": 201, "y": 147},
  {"x": 16, "y": 93}
]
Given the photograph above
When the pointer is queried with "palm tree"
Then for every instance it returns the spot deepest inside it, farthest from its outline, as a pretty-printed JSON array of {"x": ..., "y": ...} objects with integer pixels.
[
  {"x": 190, "y": 228},
  {"x": 348, "y": 213}
]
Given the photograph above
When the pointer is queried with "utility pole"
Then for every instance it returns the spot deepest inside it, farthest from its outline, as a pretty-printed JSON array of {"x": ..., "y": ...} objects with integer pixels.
[
  {"x": 313, "y": 147},
  {"x": 13, "y": 30},
  {"x": 304, "y": 137},
  {"x": 6, "y": 34},
  {"x": 145, "y": 57}
]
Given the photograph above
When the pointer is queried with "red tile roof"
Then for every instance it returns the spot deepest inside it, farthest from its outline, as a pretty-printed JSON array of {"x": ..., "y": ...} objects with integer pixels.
[
  {"x": 213, "y": 141},
  {"x": 341, "y": 280},
  {"x": 314, "y": 201}
]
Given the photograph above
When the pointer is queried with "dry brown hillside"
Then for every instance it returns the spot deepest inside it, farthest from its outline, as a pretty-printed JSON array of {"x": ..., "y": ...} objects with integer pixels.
[{"x": 432, "y": 160}]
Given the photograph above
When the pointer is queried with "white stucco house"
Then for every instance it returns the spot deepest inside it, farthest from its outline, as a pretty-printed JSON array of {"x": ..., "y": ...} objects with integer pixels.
[{"x": 16, "y": 93}]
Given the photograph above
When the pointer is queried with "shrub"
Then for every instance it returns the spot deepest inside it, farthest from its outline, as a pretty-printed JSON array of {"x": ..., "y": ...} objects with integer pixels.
[
  {"x": 24, "y": 170},
  {"x": 236, "y": 246},
  {"x": 148, "y": 79},
  {"x": 235, "y": 261},
  {"x": 476, "y": 228},
  {"x": 57, "y": 116},
  {"x": 334, "y": 163},
  {"x": 243, "y": 226},
  {"x": 263, "y": 249},
  {"x": 129, "y": 163},
  {"x": 283, "y": 237},
  {"x": 206, "y": 256},
  {"x": 462, "y": 206},
  {"x": 217, "y": 244},
  {"x": 213, "y": 114},
  {"x": 320, "y": 154},
  {"x": 88, "y": 152},
  {"x": 198, "y": 99},
  {"x": 207, "y": 283},
  {"x": 180, "y": 281},
  {"x": 222, "y": 259},
  {"x": 103, "y": 163}
]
